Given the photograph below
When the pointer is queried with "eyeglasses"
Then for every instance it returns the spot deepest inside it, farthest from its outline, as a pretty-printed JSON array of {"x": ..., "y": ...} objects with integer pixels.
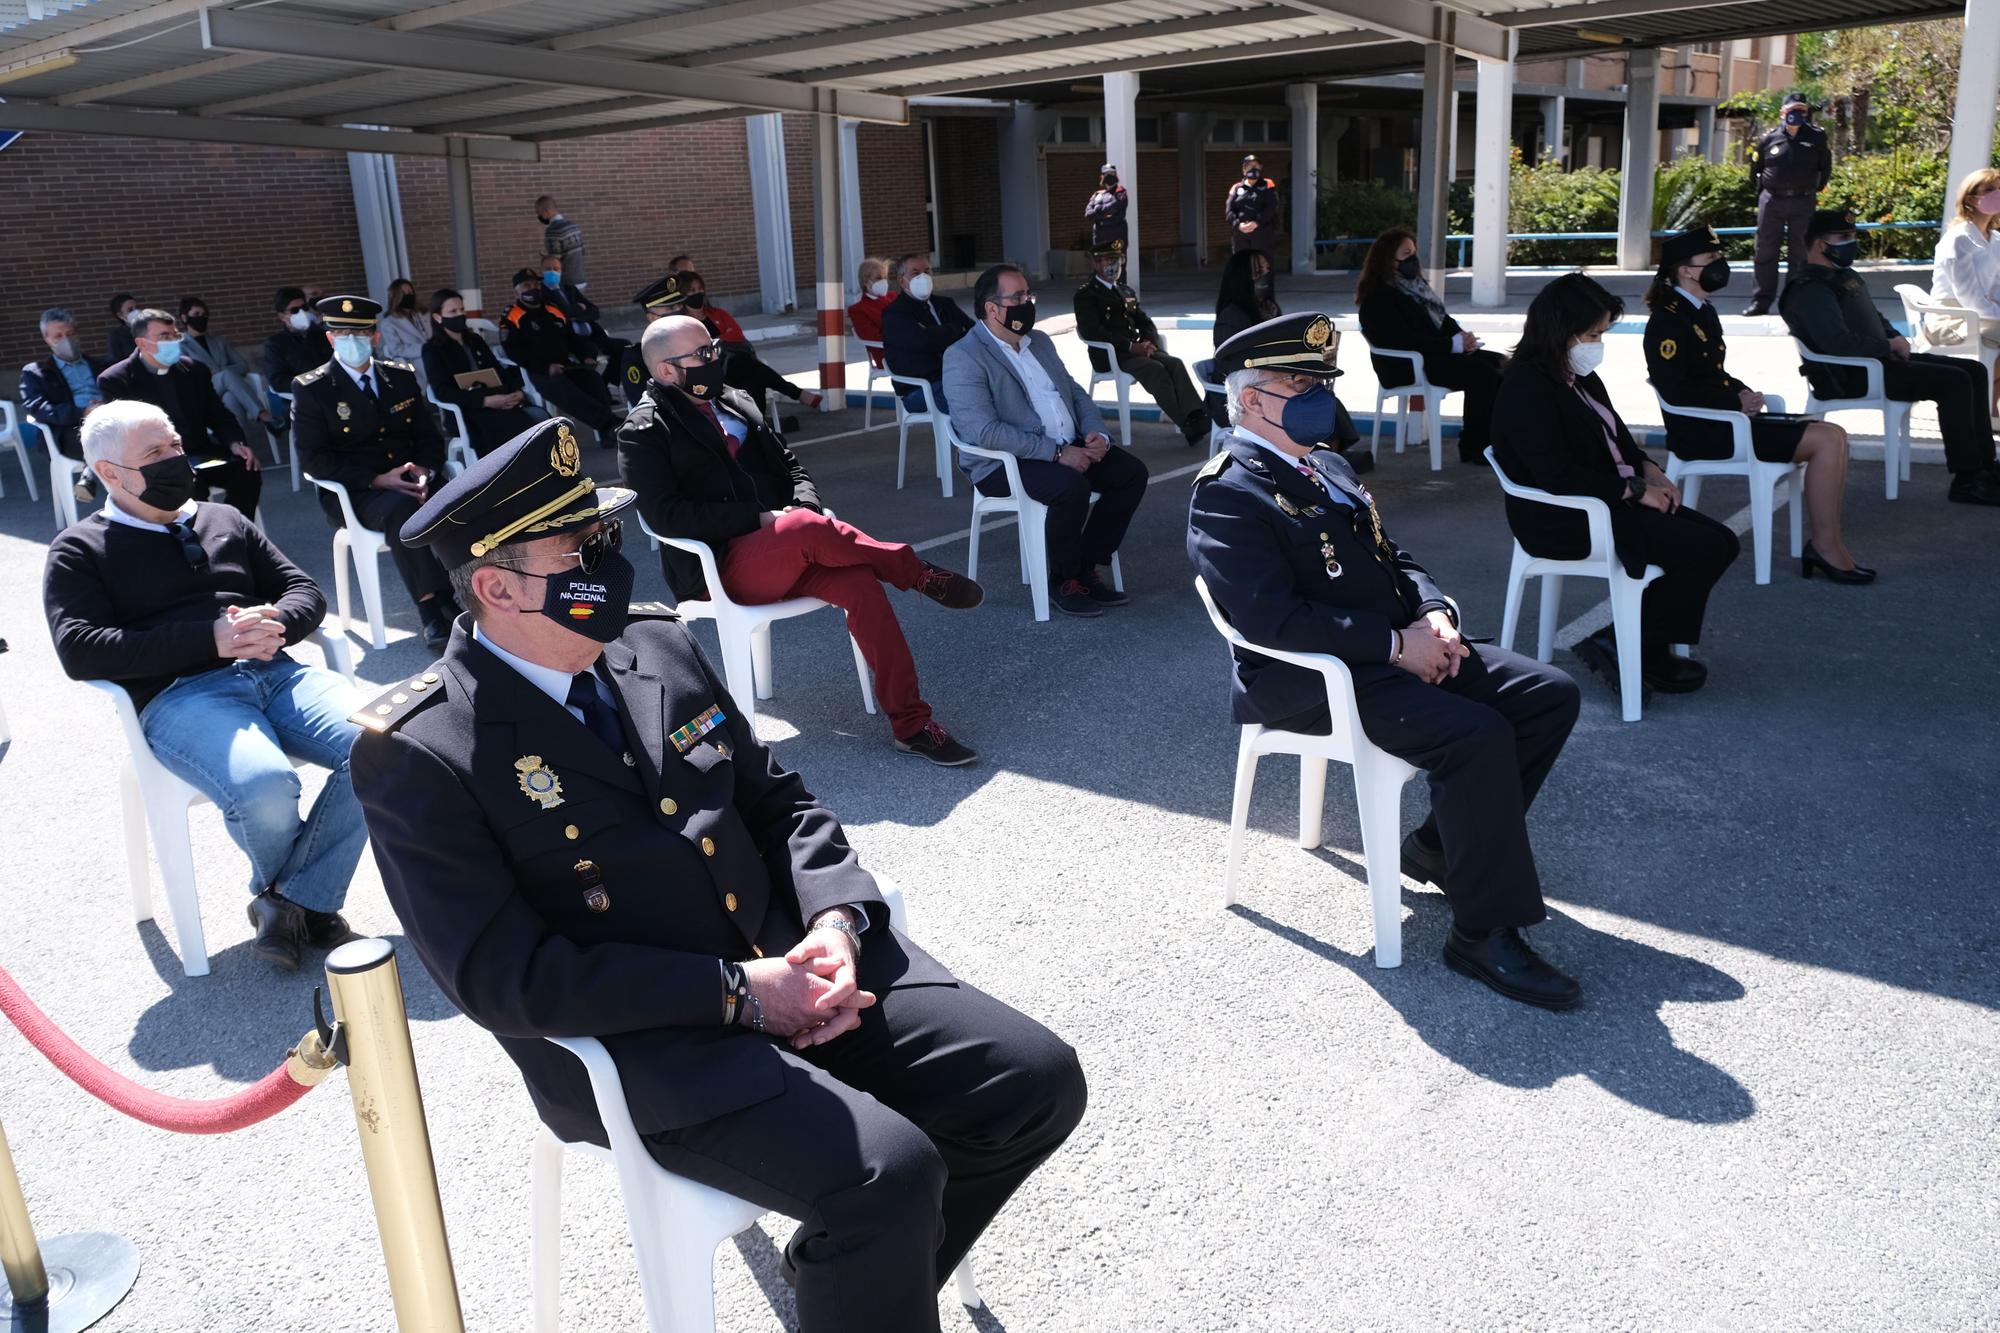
[
  {"x": 1016, "y": 299},
  {"x": 590, "y": 553},
  {"x": 702, "y": 355}
]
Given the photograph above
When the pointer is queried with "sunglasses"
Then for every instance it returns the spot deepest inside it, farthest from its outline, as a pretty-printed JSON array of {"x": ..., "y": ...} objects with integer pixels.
[
  {"x": 190, "y": 545},
  {"x": 590, "y": 554},
  {"x": 703, "y": 355}
]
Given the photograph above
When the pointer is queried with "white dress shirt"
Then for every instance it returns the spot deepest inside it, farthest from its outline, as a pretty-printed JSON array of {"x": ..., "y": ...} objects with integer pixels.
[
  {"x": 548, "y": 680},
  {"x": 116, "y": 515},
  {"x": 1058, "y": 422}
]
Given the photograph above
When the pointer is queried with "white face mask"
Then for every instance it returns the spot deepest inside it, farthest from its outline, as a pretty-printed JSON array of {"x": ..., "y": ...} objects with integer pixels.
[
  {"x": 920, "y": 286},
  {"x": 299, "y": 320},
  {"x": 879, "y": 287},
  {"x": 352, "y": 349},
  {"x": 1585, "y": 358}
]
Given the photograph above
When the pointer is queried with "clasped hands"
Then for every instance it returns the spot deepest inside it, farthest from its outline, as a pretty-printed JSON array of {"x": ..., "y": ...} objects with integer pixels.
[
  {"x": 813, "y": 994},
  {"x": 252, "y": 632},
  {"x": 1081, "y": 456},
  {"x": 1432, "y": 648}
]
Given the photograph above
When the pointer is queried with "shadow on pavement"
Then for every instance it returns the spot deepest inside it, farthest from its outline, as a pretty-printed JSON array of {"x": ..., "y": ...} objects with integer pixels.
[{"x": 1616, "y": 1038}]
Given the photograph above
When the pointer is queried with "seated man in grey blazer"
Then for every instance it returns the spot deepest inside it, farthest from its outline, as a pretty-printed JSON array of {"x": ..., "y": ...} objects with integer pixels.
[{"x": 1009, "y": 391}]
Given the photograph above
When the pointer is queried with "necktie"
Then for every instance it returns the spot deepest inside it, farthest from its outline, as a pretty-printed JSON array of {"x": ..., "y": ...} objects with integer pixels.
[
  {"x": 598, "y": 715},
  {"x": 367, "y": 384},
  {"x": 715, "y": 420}
]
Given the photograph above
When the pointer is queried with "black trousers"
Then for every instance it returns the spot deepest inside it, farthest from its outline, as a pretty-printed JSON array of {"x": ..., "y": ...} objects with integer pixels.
[
  {"x": 1959, "y": 387},
  {"x": 386, "y": 512},
  {"x": 578, "y": 393},
  {"x": 1166, "y": 378},
  {"x": 893, "y": 1146},
  {"x": 1779, "y": 217},
  {"x": 741, "y": 369},
  {"x": 1080, "y": 534},
  {"x": 1486, "y": 739},
  {"x": 240, "y": 486},
  {"x": 1694, "y": 550},
  {"x": 1478, "y": 374}
]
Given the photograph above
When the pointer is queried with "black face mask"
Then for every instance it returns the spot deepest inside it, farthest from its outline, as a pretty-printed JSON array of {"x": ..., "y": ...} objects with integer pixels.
[
  {"x": 169, "y": 481},
  {"x": 1110, "y": 182},
  {"x": 595, "y": 604},
  {"x": 529, "y": 298},
  {"x": 197, "y": 323},
  {"x": 1251, "y": 173},
  {"x": 1411, "y": 268},
  {"x": 1264, "y": 286},
  {"x": 409, "y": 301},
  {"x": 695, "y": 300},
  {"x": 456, "y": 323},
  {"x": 703, "y": 381},
  {"x": 1843, "y": 254},
  {"x": 1017, "y": 318},
  {"x": 1715, "y": 276}
]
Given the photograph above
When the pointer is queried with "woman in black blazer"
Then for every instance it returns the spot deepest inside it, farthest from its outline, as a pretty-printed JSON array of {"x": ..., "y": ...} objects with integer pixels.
[
  {"x": 1400, "y": 310},
  {"x": 492, "y": 416},
  {"x": 1554, "y": 429}
]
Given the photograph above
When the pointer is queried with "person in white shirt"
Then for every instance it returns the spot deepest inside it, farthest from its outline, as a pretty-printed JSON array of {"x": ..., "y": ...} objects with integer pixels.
[
  {"x": 406, "y": 327},
  {"x": 1967, "y": 270}
]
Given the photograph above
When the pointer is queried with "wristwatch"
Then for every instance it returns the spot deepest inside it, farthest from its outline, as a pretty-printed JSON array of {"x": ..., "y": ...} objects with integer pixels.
[
  {"x": 1635, "y": 486},
  {"x": 837, "y": 920}
]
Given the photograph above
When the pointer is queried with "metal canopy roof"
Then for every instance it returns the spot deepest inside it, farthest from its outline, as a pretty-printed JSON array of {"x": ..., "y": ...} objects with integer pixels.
[{"x": 495, "y": 78}]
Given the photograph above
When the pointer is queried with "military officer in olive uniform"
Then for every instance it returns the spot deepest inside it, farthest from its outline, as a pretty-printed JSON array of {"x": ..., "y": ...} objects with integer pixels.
[
  {"x": 583, "y": 836},
  {"x": 658, "y": 299},
  {"x": 1789, "y": 166},
  {"x": 1108, "y": 311},
  {"x": 1293, "y": 551},
  {"x": 365, "y": 423}
]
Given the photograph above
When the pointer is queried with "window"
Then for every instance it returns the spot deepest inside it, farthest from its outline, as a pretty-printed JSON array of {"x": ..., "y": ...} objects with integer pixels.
[
  {"x": 1278, "y": 131},
  {"x": 1253, "y": 131},
  {"x": 1224, "y": 132},
  {"x": 1146, "y": 129},
  {"x": 1075, "y": 129},
  {"x": 1258, "y": 130}
]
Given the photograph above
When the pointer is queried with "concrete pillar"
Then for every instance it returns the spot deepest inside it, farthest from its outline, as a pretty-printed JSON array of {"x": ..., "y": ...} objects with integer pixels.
[
  {"x": 1121, "y": 148},
  {"x": 464, "y": 239},
  {"x": 853, "y": 249},
  {"x": 1707, "y": 142},
  {"x": 1553, "y": 109},
  {"x": 829, "y": 295},
  {"x": 1642, "y": 156},
  {"x": 1433, "y": 152},
  {"x": 1492, "y": 136},
  {"x": 1191, "y": 133},
  {"x": 1451, "y": 153},
  {"x": 1023, "y": 213},
  {"x": 1303, "y": 99},
  {"x": 378, "y": 217},
  {"x": 771, "y": 209},
  {"x": 1978, "y": 91}
]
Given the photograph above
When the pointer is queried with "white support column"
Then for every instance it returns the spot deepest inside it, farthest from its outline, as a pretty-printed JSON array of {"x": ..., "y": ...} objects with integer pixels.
[
  {"x": 1978, "y": 91},
  {"x": 464, "y": 237},
  {"x": 1553, "y": 111},
  {"x": 1121, "y": 148},
  {"x": 828, "y": 167},
  {"x": 378, "y": 216},
  {"x": 771, "y": 209},
  {"x": 1191, "y": 133},
  {"x": 1023, "y": 213},
  {"x": 852, "y": 246},
  {"x": 1451, "y": 154},
  {"x": 1642, "y": 156},
  {"x": 1493, "y": 135},
  {"x": 1433, "y": 139},
  {"x": 1303, "y": 99}
]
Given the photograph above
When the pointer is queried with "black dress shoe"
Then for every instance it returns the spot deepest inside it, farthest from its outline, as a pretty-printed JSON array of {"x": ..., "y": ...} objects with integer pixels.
[
  {"x": 1760, "y": 306},
  {"x": 1599, "y": 652},
  {"x": 280, "y": 926},
  {"x": 1422, "y": 863},
  {"x": 326, "y": 930},
  {"x": 1073, "y": 599},
  {"x": 1503, "y": 961},
  {"x": 1976, "y": 488},
  {"x": 1669, "y": 674},
  {"x": 1812, "y": 562},
  {"x": 1101, "y": 592}
]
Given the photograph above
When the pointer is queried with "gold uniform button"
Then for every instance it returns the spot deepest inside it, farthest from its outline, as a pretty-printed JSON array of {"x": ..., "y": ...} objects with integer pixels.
[
  {"x": 729, "y": 901},
  {"x": 430, "y": 677},
  {"x": 708, "y": 847},
  {"x": 668, "y": 805},
  {"x": 571, "y": 832}
]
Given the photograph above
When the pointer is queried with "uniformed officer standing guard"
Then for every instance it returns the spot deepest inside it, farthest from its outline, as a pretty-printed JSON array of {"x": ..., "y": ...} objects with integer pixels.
[
  {"x": 583, "y": 836},
  {"x": 365, "y": 423},
  {"x": 1108, "y": 311},
  {"x": 1789, "y": 166},
  {"x": 1293, "y": 551}
]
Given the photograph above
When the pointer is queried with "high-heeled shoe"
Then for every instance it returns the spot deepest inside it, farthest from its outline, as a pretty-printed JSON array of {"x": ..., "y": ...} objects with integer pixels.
[{"x": 1812, "y": 562}]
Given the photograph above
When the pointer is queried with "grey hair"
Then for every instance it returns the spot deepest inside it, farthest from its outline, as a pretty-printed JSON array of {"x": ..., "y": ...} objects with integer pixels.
[
  {"x": 461, "y": 575},
  {"x": 902, "y": 265},
  {"x": 106, "y": 427},
  {"x": 1233, "y": 388},
  {"x": 55, "y": 314},
  {"x": 139, "y": 319}
]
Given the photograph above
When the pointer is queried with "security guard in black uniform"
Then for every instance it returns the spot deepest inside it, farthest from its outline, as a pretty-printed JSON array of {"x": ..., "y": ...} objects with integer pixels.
[
  {"x": 658, "y": 299},
  {"x": 364, "y": 423},
  {"x": 1685, "y": 353},
  {"x": 1789, "y": 166},
  {"x": 1292, "y": 549},
  {"x": 583, "y": 836},
  {"x": 1108, "y": 311}
]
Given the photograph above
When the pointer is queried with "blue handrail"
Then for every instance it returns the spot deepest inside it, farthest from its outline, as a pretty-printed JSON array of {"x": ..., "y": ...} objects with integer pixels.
[{"x": 1463, "y": 240}]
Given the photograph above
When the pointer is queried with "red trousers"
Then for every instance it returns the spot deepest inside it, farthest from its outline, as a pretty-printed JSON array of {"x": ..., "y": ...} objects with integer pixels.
[{"x": 805, "y": 554}]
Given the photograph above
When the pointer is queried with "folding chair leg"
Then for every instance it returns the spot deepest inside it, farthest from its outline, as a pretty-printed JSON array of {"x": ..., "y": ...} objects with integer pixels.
[
  {"x": 1434, "y": 429},
  {"x": 942, "y": 451},
  {"x": 1379, "y": 802},
  {"x": 1375, "y": 426},
  {"x": 902, "y": 448},
  {"x": 1312, "y": 800},
  {"x": 136, "y": 844},
  {"x": 1125, "y": 412},
  {"x": 1239, "y": 811},
  {"x": 972, "y": 548},
  {"x": 738, "y": 668},
  {"x": 368, "y": 571},
  {"x": 27, "y": 469},
  {"x": 1117, "y": 573},
  {"x": 760, "y": 660},
  {"x": 678, "y": 1276},
  {"x": 1763, "y": 496},
  {"x": 1626, "y": 594},
  {"x": 1517, "y": 583},
  {"x": 1795, "y": 483},
  {"x": 1545, "y": 628},
  {"x": 1033, "y": 525},
  {"x": 342, "y": 582},
  {"x": 545, "y": 1233},
  {"x": 1690, "y": 489},
  {"x": 167, "y": 819}
]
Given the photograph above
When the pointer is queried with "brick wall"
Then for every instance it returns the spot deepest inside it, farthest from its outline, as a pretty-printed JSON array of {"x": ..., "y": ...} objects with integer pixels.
[
  {"x": 1073, "y": 179},
  {"x": 968, "y": 167},
  {"x": 163, "y": 220},
  {"x": 891, "y": 160}
]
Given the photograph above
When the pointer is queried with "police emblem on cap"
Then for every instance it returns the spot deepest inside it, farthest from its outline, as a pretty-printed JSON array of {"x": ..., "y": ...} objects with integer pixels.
[
  {"x": 1319, "y": 333},
  {"x": 347, "y": 307},
  {"x": 564, "y": 456}
]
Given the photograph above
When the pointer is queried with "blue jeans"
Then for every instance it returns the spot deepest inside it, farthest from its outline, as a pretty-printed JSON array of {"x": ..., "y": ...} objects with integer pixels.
[
  {"x": 913, "y": 399},
  {"x": 232, "y": 733}
]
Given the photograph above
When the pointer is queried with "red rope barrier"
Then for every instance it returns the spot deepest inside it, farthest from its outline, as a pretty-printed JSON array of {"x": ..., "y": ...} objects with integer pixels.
[{"x": 260, "y": 1101}]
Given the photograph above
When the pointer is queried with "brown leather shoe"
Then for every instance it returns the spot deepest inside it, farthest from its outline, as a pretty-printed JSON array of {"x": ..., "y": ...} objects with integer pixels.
[{"x": 948, "y": 588}]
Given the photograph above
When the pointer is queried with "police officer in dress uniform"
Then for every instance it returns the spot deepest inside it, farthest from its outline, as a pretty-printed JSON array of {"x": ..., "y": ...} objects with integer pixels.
[
  {"x": 583, "y": 836},
  {"x": 364, "y": 422},
  {"x": 1108, "y": 311},
  {"x": 1294, "y": 553},
  {"x": 1789, "y": 166},
  {"x": 659, "y": 298}
]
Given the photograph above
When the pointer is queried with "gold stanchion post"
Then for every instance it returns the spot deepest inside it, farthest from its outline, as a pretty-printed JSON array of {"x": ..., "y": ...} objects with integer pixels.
[
  {"x": 27, "y": 1280},
  {"x": 64, "y": 1286},
  {"x": 374, "y": 1037}
]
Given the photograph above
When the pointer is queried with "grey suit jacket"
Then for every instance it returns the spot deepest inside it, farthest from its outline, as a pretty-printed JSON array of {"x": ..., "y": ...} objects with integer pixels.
[{"x": 990, "y": 406}]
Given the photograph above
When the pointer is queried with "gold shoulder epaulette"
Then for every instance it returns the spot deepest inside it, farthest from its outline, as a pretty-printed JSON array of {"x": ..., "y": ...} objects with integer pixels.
[
  {"x": 399, "y": 702},
  {"x": 309, "y": 376},
  {"x": 399, "y": 365},
  {"x": 653, "y": 611},
  {"x": 1213, "y": 467}
]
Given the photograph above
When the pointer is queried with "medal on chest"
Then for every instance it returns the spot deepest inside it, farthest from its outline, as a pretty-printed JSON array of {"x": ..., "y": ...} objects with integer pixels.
[{"x": 1327, "y": 554}]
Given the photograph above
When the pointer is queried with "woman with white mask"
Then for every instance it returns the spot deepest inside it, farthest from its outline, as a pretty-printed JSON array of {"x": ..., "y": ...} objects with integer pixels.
[
  {"x": 866, "y": 314},
  {"x": 1554, "y": 429}
]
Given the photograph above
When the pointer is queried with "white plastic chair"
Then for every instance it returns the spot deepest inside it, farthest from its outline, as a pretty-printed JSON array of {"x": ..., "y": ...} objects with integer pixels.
[
  {"x": 64, "y": 473},
  {"x": 1433, "y": 409},
  {"x": 10, "y": 424},
  {"x": 156, "y": 800},
  {"x": 1895, "y": 415},
  {"x": 1600, "y": 563},
  {"x": 745, "y": 631},
  {"x": 1918, "y": 303},
  {"x": 1770, "y": 483},
  {"x": 676, "y": 1224},
  {"x": 875, "y": 372},
  {"x": 1119, "y": 380},
  {"x": 297, "y": 475},
  {"x": 458, "y": 454},
  {"x": 365, "y": 545},
  {"x": 1378, "y": 784},
  {"x": 1033, "y": 521},
  {"x": 1217, "y": 435},
  {"x": 931, "y": 416}
]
